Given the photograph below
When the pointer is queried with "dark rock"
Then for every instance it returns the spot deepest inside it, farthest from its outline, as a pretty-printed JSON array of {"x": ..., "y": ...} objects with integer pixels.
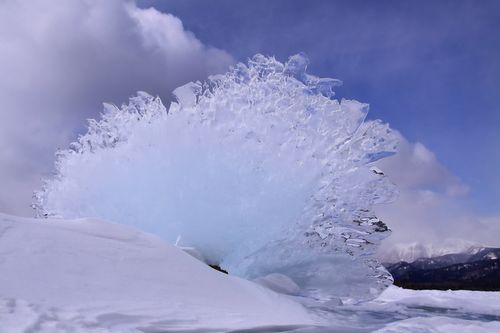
[{"x": 218, "y": 268}]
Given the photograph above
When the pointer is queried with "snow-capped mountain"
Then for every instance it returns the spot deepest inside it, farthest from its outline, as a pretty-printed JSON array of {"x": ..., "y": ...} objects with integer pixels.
[
  {"x": 477, "y": 269},
  {"x": 409, "y": 252}
]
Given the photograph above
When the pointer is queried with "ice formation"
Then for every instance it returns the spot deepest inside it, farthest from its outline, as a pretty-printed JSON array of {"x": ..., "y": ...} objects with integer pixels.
[{"x": 261, "y": 170}]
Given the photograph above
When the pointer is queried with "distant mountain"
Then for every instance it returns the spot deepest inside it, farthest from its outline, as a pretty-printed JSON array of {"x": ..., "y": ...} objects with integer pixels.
[
  {"x": 409, "y": 252},
  {"x": 477, "y": 269}
]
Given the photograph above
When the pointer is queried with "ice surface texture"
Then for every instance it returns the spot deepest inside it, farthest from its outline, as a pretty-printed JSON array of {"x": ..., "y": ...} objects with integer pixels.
[{"x": 260, "y": 169}]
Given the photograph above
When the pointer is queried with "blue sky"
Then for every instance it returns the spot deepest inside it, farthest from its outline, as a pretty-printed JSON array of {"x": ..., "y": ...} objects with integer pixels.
[{"x": 429, "y": 68}]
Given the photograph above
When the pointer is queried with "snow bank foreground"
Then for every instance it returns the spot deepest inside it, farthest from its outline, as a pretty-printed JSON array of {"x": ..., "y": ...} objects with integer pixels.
[
  {"x": 439, "y": 325},
  {"x": 95, "y": 277},
  {"x": 90, "y": 276},
  {"x": 437, "y": 311}
]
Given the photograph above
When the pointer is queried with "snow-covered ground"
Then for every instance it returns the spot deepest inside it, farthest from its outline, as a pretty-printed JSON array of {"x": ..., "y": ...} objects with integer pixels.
[
  {"x": 438, "y": 311},
  {"x": 91, "y": 276}
]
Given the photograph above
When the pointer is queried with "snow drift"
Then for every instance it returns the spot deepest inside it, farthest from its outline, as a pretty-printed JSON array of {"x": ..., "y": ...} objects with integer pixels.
[
  {"x": 261, "y": 170},
  {"x": 86, "y": 275}
]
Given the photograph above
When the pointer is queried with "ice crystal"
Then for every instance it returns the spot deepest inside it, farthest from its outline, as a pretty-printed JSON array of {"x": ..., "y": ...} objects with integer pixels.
[{"x": 261, "y": 169}]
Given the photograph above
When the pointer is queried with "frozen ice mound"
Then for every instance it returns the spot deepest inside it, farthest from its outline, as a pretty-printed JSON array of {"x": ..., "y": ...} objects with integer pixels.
[{"x": 260, "y": 169}]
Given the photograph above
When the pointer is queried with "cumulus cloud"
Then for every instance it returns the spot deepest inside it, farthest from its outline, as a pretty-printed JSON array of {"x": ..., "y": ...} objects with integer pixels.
[
  {"x": 59, "y": 60},
  {"x": 430, "y": 208},
  {"x": 416, "y": 167}
]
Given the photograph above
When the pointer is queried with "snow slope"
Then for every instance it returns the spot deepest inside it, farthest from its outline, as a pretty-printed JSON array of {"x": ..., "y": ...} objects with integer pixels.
[{"x": 91, "y": 276}]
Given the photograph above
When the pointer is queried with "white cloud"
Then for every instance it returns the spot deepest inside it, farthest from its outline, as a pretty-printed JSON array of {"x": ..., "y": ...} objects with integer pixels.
[
  {"x": 430, "y": 208},
  {"x": 416, "y": 167},
  {"x": 59, "y": 60}
]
